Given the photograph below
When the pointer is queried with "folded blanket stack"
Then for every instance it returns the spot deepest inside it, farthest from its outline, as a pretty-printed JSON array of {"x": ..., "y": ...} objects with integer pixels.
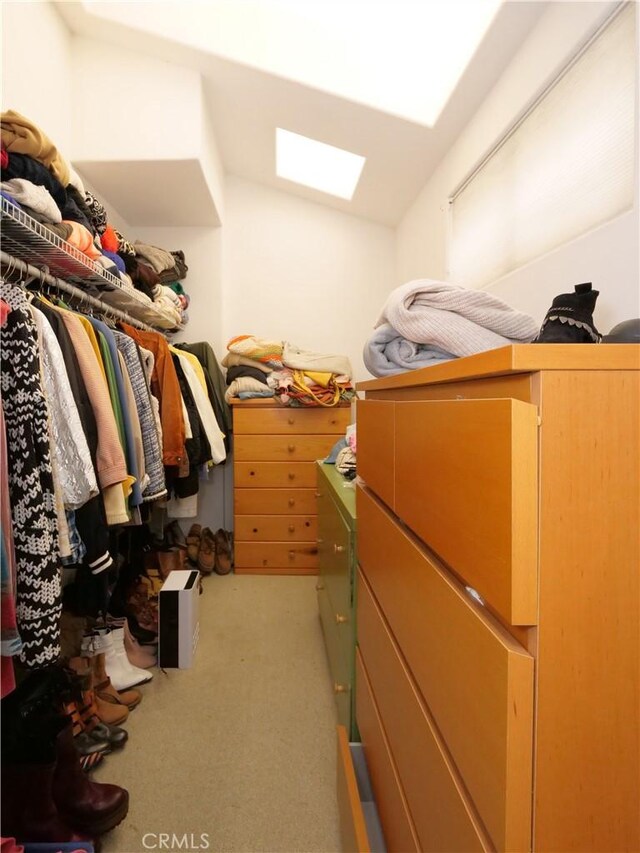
[
  {"x": 425, "y": 322},
  {"x": 37, "y": 179},
  {"x": 263, "y": 368}
]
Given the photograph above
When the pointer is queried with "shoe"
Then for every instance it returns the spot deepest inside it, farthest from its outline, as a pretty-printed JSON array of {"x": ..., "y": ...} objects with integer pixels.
[
  {"x": 106, "y": 692},
  {"x": 92, "y": 807},
  {"x": 121, "y": 671},
  {"x": 138, "y": 655},
  {"x": 106, "y": 712},
  {"x": 224, "y": 557},
  {"x": 193, "y": 542},
  {"x": 570, "y": 318},
  {"x": 174, "y": 537},
  {"x": 28, "y": 807},
  {"x": 207, "y": 552}
]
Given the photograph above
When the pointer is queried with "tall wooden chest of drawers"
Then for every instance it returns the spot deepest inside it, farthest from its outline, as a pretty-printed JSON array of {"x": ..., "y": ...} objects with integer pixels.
[
  {"x": 275, "y": 449},
  {"x": 336, "y": 594},
  {"x": 498, "y": 660}
]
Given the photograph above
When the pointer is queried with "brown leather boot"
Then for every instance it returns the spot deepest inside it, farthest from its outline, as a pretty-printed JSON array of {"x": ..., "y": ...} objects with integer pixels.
[
  {"x": 106, "y": 692},
  {"x": 207, "y": 552},
  {"x": 223, "y": 552},
  {"x": 193, "y": 542},
  {"x": 106, "y": 712}
]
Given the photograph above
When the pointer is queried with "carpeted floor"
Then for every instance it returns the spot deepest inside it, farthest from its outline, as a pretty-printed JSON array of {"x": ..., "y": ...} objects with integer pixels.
[{"x": 242, "y": 746}]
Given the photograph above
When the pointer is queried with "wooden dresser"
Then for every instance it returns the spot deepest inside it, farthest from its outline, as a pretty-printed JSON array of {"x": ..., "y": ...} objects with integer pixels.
[
  {"x": 498, "y": 661},
  {"x": 336, "y": 584},
  {"x": 275, "y": 449}
]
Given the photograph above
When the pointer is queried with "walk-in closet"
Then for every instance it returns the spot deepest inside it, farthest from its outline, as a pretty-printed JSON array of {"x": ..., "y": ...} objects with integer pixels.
[{"x": 319, "y": 426}]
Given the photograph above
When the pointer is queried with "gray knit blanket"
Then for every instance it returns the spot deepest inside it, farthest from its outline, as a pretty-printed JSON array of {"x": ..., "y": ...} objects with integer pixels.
[
  {"x": 387, "y": 353},
  {"x": 453, "y": 319}
]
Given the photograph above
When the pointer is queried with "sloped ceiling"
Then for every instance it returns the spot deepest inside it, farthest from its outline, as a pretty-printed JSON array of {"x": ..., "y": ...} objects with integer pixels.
[{"x": 246, "y": 104}]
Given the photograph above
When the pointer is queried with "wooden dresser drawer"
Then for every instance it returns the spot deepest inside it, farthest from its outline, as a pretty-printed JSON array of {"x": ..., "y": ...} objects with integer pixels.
[
  {"x": 273, "y": 474},
  {"x": 353, "y": 828},
  {"x": 275, "y": 528},
  {"x": 276, "y": 557},
  {"x": 291, "y": 421},
  {"x": 443, "y": 816},
  {"x": 476, "y": 680},
  {"x": 397, "y": 826},
  {"x": 282, "y": 448},
  {"x": 376, "y": 443},
  {"x": 466, "y": 483},
  {"x": 275, "y": 501}
]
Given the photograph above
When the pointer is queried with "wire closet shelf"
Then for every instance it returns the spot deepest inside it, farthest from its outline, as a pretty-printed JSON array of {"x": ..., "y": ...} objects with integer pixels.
[{"x": 29, "y": 241}]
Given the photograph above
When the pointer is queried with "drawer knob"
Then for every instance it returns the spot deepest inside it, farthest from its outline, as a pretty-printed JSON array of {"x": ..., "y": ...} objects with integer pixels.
[
  {"x": 291, "y": 421},
  {"x": 291, "y": 502},
  {"x": 333, "y": 421},
  {"x": 292, "y": 528},
  {"x": 292, "y": 555},
  {"x": 292, "y": 476},
  {"x": 340, "y": 619},
  {"x": 291, "y": 448},
  {"x": 338, "y": 549},
  {"x": 340, "y": 688}
]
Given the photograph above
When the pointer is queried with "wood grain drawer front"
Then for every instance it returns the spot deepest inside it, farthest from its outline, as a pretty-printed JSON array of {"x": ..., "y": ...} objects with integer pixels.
[
  {"x": 274, "y": 474},
  {"x": 442, "y": 814},
  {"x": 476, "y": 680},
  {"x": 291, "y": 421},
  {"x": 353, "y": 828},
  {"x": 282, "y": 448},
  {"x": 275, "y": 528},
  {"x": 398, "y": 829},
  {"x": 466, "y": 483},
  {"x": 275, "y": 501},
  {"x": 376, "y": 442},
  {"x": 274, "y": 555}
]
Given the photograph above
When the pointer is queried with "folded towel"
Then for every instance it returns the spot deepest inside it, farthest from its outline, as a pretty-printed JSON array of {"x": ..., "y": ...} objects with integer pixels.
[
  {"x": 453, "y": 319},
  {"x": 386, "y": 353}
]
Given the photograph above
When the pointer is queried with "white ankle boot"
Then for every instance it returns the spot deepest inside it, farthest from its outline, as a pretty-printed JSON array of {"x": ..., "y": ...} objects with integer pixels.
[{"x": 121, "y": 671}]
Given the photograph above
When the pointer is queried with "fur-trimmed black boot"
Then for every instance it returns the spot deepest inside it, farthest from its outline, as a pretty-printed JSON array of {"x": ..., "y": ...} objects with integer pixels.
[{"x": 570, "y": 318}]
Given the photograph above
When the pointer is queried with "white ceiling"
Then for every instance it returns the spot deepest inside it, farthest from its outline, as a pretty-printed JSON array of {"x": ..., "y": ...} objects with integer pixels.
[{"x": 247, "y": 104}]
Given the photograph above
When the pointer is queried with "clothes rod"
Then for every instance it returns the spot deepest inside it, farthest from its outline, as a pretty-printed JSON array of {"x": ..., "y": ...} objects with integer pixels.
[{"x": 16, "y": 264}]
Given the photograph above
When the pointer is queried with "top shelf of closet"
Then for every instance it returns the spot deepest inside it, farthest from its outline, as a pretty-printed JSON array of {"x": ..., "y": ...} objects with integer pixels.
[{"x": 25, "y": 238}]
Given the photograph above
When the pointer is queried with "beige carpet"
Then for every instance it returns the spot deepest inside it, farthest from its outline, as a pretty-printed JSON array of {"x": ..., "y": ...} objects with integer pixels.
[{"x": 242, "y": 746}]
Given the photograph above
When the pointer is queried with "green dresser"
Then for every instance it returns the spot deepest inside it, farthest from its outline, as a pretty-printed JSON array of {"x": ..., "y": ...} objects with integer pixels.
[{"x": 336, "y": 585}]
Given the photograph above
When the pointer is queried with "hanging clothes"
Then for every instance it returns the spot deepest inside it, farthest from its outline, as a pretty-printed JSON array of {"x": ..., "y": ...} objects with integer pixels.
[
  {"x": 165, "y": 386},
  {"x": 38, "y": 592}
]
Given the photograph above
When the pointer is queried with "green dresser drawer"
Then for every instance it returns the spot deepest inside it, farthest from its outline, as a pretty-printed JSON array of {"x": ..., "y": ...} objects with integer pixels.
[
  {"x": 339, "y": 662},
  {"x": 336, "y": 584}
]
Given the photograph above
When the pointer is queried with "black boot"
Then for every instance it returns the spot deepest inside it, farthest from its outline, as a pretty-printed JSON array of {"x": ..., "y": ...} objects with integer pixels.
[{"x": 570, "y": 318}]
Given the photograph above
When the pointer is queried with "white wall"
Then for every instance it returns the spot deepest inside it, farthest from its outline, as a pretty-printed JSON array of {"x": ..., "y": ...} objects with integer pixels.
[
  {"x": 608, "y": 256},
  {"x": 37, "y": 69},
  {"x": 296, "y": 270}
]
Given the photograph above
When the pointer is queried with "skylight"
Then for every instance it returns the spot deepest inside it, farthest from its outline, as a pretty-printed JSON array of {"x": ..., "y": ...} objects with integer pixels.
[
  {"x": 403, "y": 57},
  {"x": 316, "y": 164}
]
